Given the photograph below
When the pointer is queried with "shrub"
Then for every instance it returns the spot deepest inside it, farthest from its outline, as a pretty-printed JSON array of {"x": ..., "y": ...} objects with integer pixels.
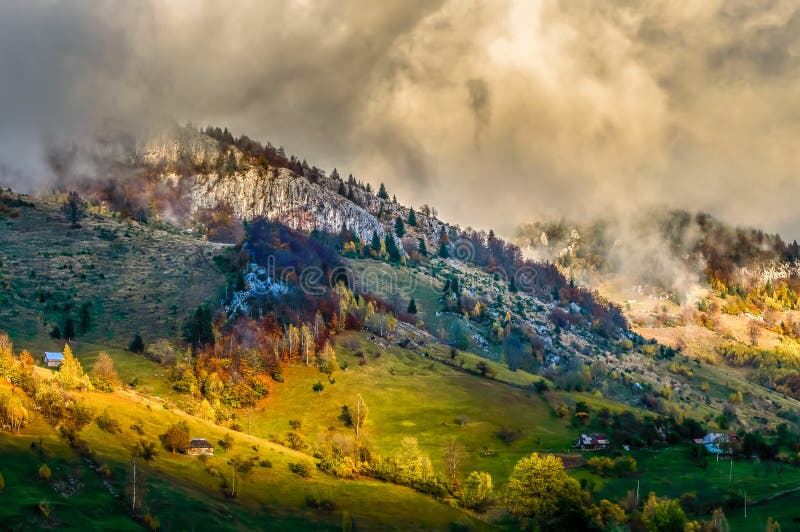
[
  {"x": 151, "y": 522},
  {"x": 300, "y": 468},
  {"x": 146, "y": 449},
  {"x": 509, "y": 435},
  {"x": 107, "y": 423},
  {"x": 45, "y": 508},
  {"x": 44, "y": 472},
  {"x": 317, "y": 503}
]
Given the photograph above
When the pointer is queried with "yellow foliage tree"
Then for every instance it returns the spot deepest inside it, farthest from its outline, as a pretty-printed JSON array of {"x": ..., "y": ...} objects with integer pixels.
[{"x": 70, "y": 374}]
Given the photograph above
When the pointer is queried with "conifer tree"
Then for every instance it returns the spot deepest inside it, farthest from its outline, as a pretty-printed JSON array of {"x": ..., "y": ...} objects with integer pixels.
[
  {"x": 443, "y": 251},
  {"x": 70, "y": 374},
  {"x": 422, "y": 247},
  {"x": 382, "y": 194},
  {"x": 375, "y": 244},
  {"x": 412, "y": 218},
  {"x": 391, "y": 248},
  {"x": 399, "y": 228},
  {"x": 412, "y": 307}
]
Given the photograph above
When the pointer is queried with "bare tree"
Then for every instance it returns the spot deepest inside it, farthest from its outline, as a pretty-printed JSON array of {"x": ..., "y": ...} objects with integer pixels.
[{"x": 453, "y": 456}]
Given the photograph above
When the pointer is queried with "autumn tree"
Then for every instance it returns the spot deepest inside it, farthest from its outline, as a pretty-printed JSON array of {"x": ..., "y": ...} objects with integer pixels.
[
  {"x": 13, "y": 413},
  {"x": 540, "y": 489},
  {"x": 358, "y": 416},
  {"x": 176, "y": 439},
  {"x": 103, "y": 375},
  {"x": 477, "y": 492},
  {"x": 663, "y": 515},
  {"x": 307, "y": 343},
  {"x": 70, "y": 374},
  {"x": 6, "y": 355},
  {"x": 326, "y": 359},
  {"x": 753, "y": 332}
]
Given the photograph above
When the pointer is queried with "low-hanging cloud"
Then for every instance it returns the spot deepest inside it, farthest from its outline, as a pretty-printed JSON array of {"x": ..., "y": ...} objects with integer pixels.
[{"x": 496, "y": 112}]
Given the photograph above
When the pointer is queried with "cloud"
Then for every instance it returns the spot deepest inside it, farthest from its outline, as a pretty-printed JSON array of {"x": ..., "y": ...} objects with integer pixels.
[{"x": 495, "y": 112}]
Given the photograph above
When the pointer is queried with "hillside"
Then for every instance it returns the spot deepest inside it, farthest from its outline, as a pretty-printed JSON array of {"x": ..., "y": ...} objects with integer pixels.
[
  {"x": 112, "y": 277},
  {"x": 321, "y": 298}
]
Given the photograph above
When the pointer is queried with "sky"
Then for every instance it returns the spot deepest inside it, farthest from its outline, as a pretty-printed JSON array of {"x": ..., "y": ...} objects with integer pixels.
[{"x": 496, "y": 113}]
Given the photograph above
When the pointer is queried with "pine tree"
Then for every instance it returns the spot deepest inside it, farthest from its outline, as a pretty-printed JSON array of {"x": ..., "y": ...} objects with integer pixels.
[
  {"x": 137, "y": 344},
  {"x": 382, "y": 194},
  {"x": 69, "y": 329},
  {"x": 412, "y": 307},
  {"x": 335, "y": 175},
  {"x": 341, "y": 190},
  {"x": 376, "y": 242},
  {"x": 443, "y": 251},
  {"x": 422, "y": 247},
  {"x": 391, "y": 248},
  {"x": 412, "y": 218},
  {"x": 399, "y": 228}
]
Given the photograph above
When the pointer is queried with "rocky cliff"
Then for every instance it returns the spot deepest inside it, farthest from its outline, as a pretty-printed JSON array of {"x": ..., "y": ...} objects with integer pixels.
[{"x": 256, "y": 189}]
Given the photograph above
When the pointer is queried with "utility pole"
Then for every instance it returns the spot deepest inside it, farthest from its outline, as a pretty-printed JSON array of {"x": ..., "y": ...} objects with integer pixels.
[
  {"x": 133, "y": 501},
  {"x": 637, "y": 492}
]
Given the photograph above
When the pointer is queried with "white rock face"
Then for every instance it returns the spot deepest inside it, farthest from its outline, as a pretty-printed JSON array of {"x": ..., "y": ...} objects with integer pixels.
[
  {"x": 279, "y": 194},
  {"x": 274, "y": 193}
]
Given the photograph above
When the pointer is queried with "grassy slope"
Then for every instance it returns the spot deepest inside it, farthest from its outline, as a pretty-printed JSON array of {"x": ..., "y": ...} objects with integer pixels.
[
  {"x": 137, "y": 278},
  {"x": 182, "y": 494},
  {"x": 409, "y": 395}
]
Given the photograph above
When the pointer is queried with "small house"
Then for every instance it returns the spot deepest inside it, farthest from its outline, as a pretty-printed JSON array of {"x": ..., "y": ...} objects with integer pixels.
[
  {"x": 200, "y": 446},
  {"x": 592, "y": 442},
  {"x": 718, "y": 442},
  {"x": 52, "y": 360}
]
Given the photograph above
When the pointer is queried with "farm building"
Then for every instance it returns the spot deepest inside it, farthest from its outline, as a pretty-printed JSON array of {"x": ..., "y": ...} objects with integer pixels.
[
  {"x": 592, "y": 442},
  {"x": 200, "y": 446},
  {"x": 718, "y": 442},
  {"x": 52, "y": 360}
]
